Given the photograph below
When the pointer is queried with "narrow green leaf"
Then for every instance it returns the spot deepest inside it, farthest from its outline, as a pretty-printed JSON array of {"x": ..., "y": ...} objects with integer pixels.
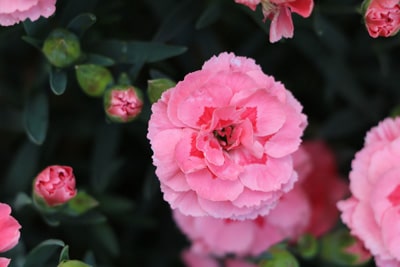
[
  {"x": 32, "y": 41},
  {"x": 89, "y": 258},
  {"x": 81, "y": 23},
  {"x": 99, "y": 60},
  {"x": 138, "y": 52},
  {"x": 210, "y": 15},
  {"x": 21, "y": 201},
  {"x": 36, "y": 118},
  {"x": 81, "y": 203},
  {"x": 58, "y": 81},
  {"x": 64, "y": 255},
  {"x": 43, "y": 252},
  {"x": 22, "y": 170},
  {"x": 103, "y": 236}
]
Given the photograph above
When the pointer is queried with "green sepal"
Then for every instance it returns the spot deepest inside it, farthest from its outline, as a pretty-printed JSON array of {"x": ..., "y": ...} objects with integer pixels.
[
  {"x": 156, "y": 87},
  {"x": 93, "y": 79}
]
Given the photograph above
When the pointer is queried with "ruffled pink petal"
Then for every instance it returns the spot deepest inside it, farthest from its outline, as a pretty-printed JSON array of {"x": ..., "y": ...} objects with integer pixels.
[
  {"x": 229, "y": 61},
  {"x": 4, "y": 262},
  {"x": 391, "y": 231},
  {"x": 281, "y": 25},
  {"x": 267, "y": 177},
  {"x": 10, "y": 6},
  {"x": 9, "y": 229},
  {"x": 187, "y": 202},
  {"x": 301, "y": 7},
  {"x": 212, "y": 188}
]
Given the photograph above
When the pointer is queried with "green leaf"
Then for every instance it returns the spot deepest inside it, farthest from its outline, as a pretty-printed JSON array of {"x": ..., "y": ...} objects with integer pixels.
[
  {"x": 22, "y": 170},
  {"x": 104, "y": 165},
  {"x": 36, "y": 118},
  {"x": 32, "y": 41},
  {"x": 156, "y": 87},
  {"x": 21, "y": 201},
  {"x": 81, "y": 23},
  {"x": 64, "y": 255},
  {"x": 37, "y": 28},
  {"x": 73, "y": 263},
  {"x": 281, "y": 257},
  {"x": 89, "y": 258},
  {"x": 58, "y": 81},
  {"x": 42, "y": 253},
  {"x": 210, "y": 15},
  {"x": 81, "y": 203},
  {"x": 137, "y": 52},
  {"x": 176, "y": 21},
  {"x": 99, "y": 60},
  {"x": 104, "y": 237}
]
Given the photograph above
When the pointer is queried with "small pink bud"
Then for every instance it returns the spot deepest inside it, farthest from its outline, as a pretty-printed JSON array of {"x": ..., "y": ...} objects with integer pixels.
[
  {"x": 55, "y": 185},
  {"x": 122, "y": 104}
]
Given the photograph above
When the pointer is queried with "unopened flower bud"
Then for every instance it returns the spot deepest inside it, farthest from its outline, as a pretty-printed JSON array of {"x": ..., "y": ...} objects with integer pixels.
[
  {"x": 122, "y": 104},
  {"x": 54, "y": 186},
  {"x": 93, "y": 79},
  {"x": 61, "y": 48},
  {"x": 73, "y": 263},
  {"x": 381, "y": 17},
  {"x": 280, "y": 257},
  {"x": 157, "y": 87}
]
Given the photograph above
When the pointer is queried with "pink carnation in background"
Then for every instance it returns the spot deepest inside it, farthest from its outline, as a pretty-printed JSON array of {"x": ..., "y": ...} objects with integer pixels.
[
  {"x": 309, "y": 208},
  {"x": 373, "y": 211},
  {"x": 15, "y": 11},
  {"x": 279, "y": 12},
  {"x": 55, "y": 185},
  {"x": 222, "y": 140},
  {"x": 382, "y": 17},
  {"x": 194, "y": 259},
  {"x": 9, "y": 232}
]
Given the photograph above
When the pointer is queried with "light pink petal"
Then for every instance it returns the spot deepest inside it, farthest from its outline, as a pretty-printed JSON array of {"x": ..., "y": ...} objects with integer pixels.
[
  {"x": 269, "y": 112},
  {"x": 193, "y": 259},
  {"x": 250, "y": 3},
  {"x": 187, "y": 156},
  {"x": 368, "y": 230},
  {"x": 4, "y": 262},
  {"x": 159, "y": 120},
  {"x": 229, "y": 61},
  {"x": 10, "y": 6},
  {"x": 251, "y": 198},
  {"x": 187, "y": 202},
  {"x": 386, "y": 263},
  {"x": 281, "y": 25},
  {"x": 213, "y": 188},
  {"x": 9, "y": 229},
  {"x": 386, "y": 131},
  {"x": 391, "y": 231},
  {"x": 269, "y": 177}
]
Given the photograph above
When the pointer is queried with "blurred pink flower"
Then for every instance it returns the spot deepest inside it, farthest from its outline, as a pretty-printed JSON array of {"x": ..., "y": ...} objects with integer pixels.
[
  {"x": 279, "y": 12},
  {"x": 247, "y": 237},
  {"x": 9, "y": 232},
  {"x": 194, "y": 259},
  {"x": 373, "y": 212},
  {"x": 15, "y": 11},
  {"x": 382, "y": 17},
  {"x": 223, "y": 138},
  {"x": 122, "y": 104},
  {"x": 55, "y": 185},
  {"x": 322, "y": 184}
]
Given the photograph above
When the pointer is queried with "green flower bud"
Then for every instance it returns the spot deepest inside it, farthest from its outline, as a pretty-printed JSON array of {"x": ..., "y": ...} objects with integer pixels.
[
  {"x": 280, "y": 257},
  {"x": 307, "y": 246},
  {"x": 73, "y": 263},
  {"x": 157, "y": 87},
  {"x": 93, "y": 79},
  {"x": 61, "y": 48}
]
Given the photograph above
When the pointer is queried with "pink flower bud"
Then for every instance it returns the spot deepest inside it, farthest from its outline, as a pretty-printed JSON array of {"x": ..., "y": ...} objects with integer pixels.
[
  {"x": 122, "y": 104},
  {"x": 382, "y": 17},
  {"x": 55, "y": 185}
]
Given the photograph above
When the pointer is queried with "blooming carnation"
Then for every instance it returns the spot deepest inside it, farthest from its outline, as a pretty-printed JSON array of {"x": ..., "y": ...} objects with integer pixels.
[
  {"x": 193, "y": 259},
  {"x": 279, "y": 12},
  {"x": 310, "y": 207},
  {"x": 222, "y": 140},
  {"x": 373, "y": 211},
  {"x": 15, "y": 11},
  {"x": 9, "y": 232},
  {"x": 382, "y": 17}
]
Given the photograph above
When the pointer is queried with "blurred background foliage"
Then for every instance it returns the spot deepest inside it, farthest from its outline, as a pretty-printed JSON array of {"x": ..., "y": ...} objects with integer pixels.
[{"x": 345, "y": 80}]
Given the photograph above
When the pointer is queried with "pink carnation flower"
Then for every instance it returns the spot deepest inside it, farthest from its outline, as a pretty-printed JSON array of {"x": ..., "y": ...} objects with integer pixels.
[
  {"x": 222, "y": 140},
  {"x": 194, "y": 259},
  {"x": 247, "y": 237},
  {"x": 15, "y": 11},
  {"x": 122, "y": 104},
  {"x": 9, "y": 232},
  {"x": 279, "y": 12},
  {"x": 55, "y": 185},
  {"x": 373, "y": 211},
  {"x": 322, "y": 184},
  {"x": 382, "y": 17}
]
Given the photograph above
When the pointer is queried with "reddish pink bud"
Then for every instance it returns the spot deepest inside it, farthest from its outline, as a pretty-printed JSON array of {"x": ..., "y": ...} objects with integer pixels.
[
  {"x": 382, "y": 17},
  {"x": 55, "y": 185},
  {"x": 122, "y": 104}
]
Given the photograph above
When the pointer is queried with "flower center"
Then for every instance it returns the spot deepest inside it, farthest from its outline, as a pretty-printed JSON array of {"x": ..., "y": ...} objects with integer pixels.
[{"x": 225, "y": 137}]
